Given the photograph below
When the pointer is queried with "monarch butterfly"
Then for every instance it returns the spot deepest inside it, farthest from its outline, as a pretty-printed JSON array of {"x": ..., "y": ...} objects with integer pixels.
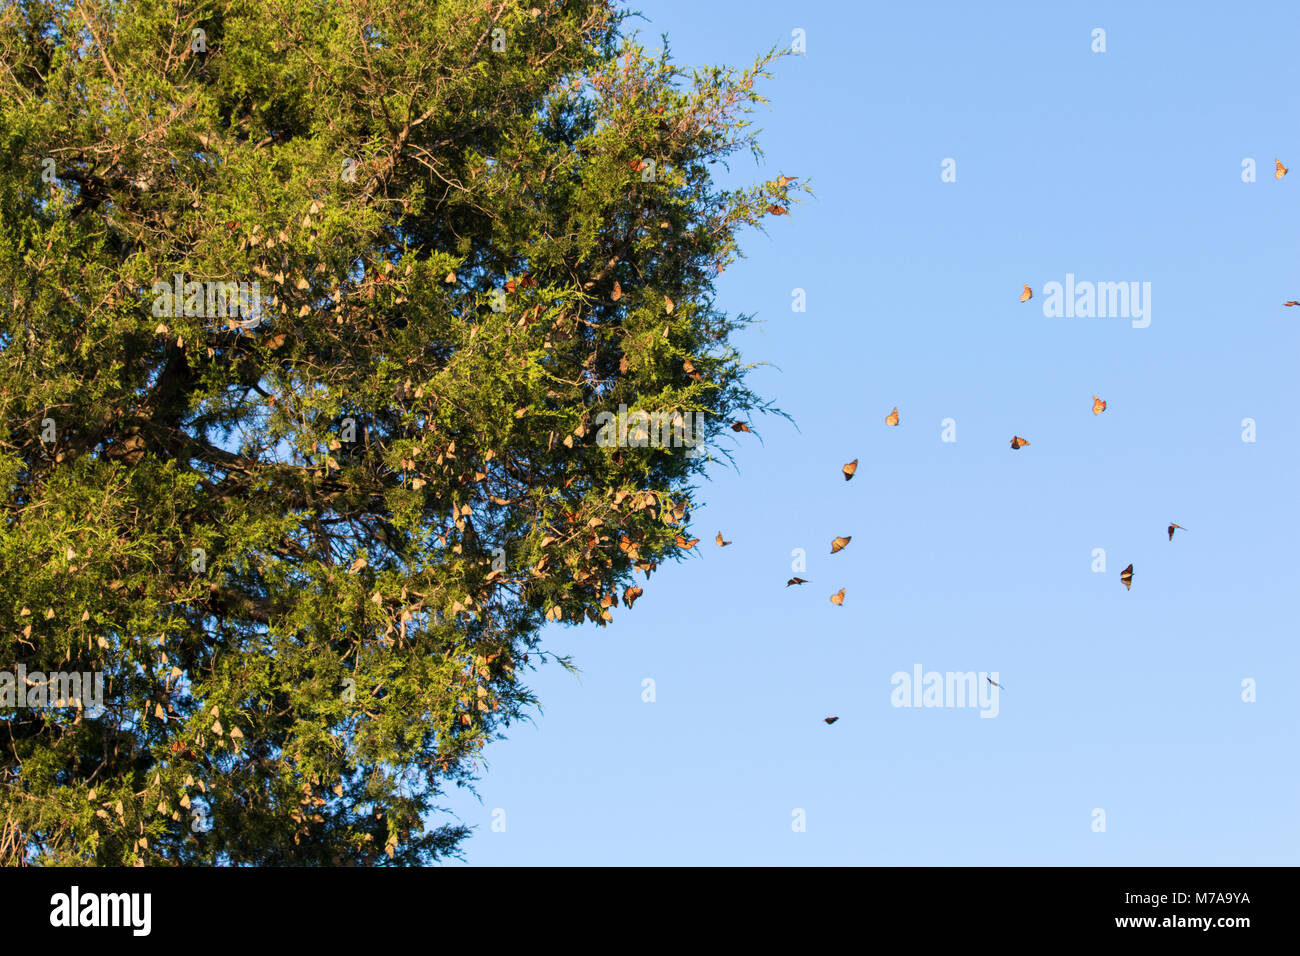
[
  {"x": 179, "y": 748},
  {"x": 850, "y": 469},
  {"x": 1127, "y": 577},
  {"x": 630, "y": 596},
  {"x": 1171, "y": 530},
  {"x": 1098, "y": 406},
  {"x": 1027, "y": 294},
  {"x": 617, "y": 293},
  {"x": 892, "y": 417},
  {"x": 830, "y": 720},
  {"x": 783, "y": 181},
  {"x": 686, "y": 545},
  {"x": 839, "y": 544},
  {"x": 739, "y": 427},
  {"x": 994, "y": 683},
  {"x": 721, "y": 543},
  {"x": 1017, "y": 442},
  {"x": 838, "y": 597},
  {"x": 1291, "y": 303},
  {"x": 1281, "y": 170},
  {"x": 796, "y": 581}
]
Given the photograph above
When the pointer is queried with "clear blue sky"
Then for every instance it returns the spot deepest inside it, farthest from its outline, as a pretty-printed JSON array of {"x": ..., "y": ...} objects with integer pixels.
[{"x": 1118, "y": 166}]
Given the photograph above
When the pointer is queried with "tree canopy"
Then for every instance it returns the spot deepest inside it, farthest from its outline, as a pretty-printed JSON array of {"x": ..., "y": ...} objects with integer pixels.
[{"x": 326, "y": 330}]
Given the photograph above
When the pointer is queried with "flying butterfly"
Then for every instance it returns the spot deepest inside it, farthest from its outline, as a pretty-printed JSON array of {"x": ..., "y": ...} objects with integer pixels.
[
  {"x": 721, "y": 543},
  {"x": 839, "y": 544},
  {"x": 796, "y": 581},
  {"x": 892, "y": 417},
  {"x": 1291, "y": 303},
  {"x": 1127, "y": 577},
  {"x": 1171, "y": 530},
  {"x": 830, "y": 720},
  {"x": 739, "y": 427},
  {"x": 1098, "y": 406},
  {"x": 686, "y": 545},
  {"x": 838, "y": 597},
  {"x": 994, "y": 683},
  {"x": 1017, "y": 442},
  {"x": 850, "y": 469},
  {"x": 1027, "y": 294},
  {"x": 1281, "y": 170}
]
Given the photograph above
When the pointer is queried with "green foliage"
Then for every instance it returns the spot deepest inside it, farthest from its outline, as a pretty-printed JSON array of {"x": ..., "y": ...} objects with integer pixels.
[{"x": 311, "y": 544}]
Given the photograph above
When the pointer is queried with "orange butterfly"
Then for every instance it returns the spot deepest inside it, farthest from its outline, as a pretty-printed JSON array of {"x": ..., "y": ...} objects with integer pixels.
[
  {"x": 686, "y": 545},
  {"x": 1281, "y": 170},
  {"x": 1127, "y": 577},
  {"x": 777, "y": 211},
  {"x": 1171, "y": 530},
  {"x": 1017, "y": 442},
  {"x": 721, "y": 543},
  {"x": 796, "y": 581},
  {"x": 830, "y": 720},
  {"x": 838, "y": 597},
  {"x": 739, "y": 427},
  {"x": 617, "y": 293},
  {"x": 783, "y": 181},
  {"x": 839, "y": 544},
  {"x": 1291, "y": 303},
  {"x": 892, "y": 417},
  {"x": 630, "y": 596},
  {"x": 1027, "y": 294},
  {"x": 1098, "y": 406},
  {"x": 850, "y": 469}
]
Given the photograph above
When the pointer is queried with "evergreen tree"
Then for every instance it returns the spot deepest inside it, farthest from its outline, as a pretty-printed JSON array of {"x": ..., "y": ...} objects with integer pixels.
[{"x": 313, "y": 318}]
